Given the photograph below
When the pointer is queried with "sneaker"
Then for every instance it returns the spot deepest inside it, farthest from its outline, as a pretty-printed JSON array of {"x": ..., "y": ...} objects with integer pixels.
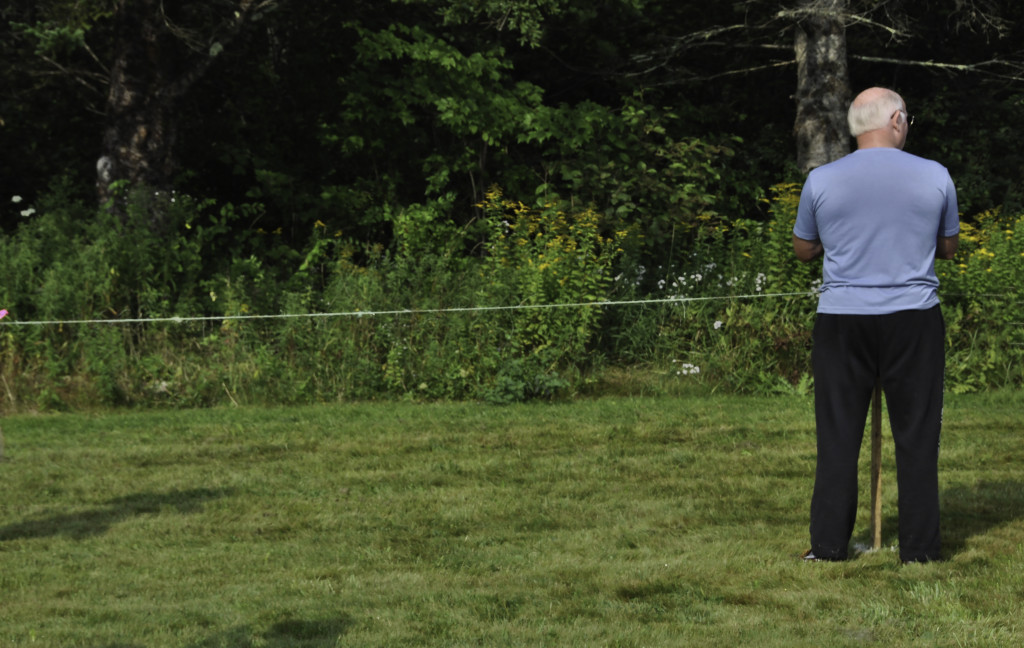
[{"x": 809, "y": 556}]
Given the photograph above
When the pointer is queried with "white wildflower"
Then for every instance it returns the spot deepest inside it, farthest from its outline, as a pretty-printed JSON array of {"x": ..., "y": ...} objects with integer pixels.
[{"x": 687, "y": 369}]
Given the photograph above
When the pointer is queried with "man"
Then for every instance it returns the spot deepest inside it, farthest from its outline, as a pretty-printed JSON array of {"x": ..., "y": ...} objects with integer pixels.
[{"x": 880, "y": 217}]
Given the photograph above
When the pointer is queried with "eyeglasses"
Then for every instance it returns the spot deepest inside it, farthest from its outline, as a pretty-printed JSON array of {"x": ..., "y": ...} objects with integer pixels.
[{"x": 910, "y": 118}]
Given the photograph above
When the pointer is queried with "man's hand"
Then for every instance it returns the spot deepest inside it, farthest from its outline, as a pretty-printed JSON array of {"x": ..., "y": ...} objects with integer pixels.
[{"x": 806, "y": 250}]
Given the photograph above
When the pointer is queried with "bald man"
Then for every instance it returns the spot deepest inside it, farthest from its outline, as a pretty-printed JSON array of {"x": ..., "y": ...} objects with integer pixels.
[{"x": 880, "y": 217}]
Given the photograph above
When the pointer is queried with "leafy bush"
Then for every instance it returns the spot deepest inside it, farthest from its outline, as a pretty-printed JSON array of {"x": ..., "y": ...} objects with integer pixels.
[
  {"x": 548, "y": 263},
  {"x": 738, "y": 312},
  {"x": 739, "y": 342},
  {"x": 523, "y": 303},
  {"x": 983, "y": 291}
]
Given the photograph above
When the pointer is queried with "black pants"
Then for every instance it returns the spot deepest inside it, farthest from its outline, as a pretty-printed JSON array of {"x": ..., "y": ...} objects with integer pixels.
[{"x": 905, "y": 351}]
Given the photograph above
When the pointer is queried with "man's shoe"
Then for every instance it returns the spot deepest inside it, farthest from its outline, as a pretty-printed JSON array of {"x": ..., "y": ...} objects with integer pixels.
[{"x": 809, "y": 556}]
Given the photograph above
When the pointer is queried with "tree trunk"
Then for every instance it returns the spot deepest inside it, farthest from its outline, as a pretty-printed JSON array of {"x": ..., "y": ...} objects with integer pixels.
[
  {"x": 156, "y": 63},
  {"x": 823, "y": 83},
  {"x": 139, "y": 137}
]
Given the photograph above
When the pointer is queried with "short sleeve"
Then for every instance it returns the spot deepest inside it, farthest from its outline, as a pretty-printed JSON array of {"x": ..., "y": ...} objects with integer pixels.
[
  {"x": 806, "y": 226},
  {"x": 950, "y": 225}
]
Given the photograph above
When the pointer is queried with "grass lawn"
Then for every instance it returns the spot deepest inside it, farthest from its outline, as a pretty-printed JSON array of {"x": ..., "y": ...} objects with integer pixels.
[{"x": 615, "y": 521}]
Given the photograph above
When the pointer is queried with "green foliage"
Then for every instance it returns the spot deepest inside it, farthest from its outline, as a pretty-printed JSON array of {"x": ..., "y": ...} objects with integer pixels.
[
  {"x": 69, "y": 261},
  {"x": 447, "y": 109},
  {"x": 740, "y": 342},
  {"x": 772, "y": 250},
  {"x": 669, "y": 189},
  {"x": 526, "y": 19},
  {"x": 336, "y": 161},
  {"x": 739, "y": 310},
  {"x": 501, "y": 354},
  {"x": 548, "y": 263},
  {"x": 466, "y": 115},
  {"x": 61, "y": 26},
  {"x": 331, "y": 111},
  {"x": 50, "y": 40},
  {"x": 518, "y": 305},
  {"x": 983, "y": 289}
]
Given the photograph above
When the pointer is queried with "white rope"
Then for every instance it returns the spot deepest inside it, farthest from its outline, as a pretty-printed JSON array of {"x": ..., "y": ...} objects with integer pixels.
[{"x": 425, "y": 311}]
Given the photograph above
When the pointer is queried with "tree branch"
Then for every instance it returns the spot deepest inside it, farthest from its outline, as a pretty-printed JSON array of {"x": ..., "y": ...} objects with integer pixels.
[
  {"x": 80, "y": 77},
  {"x": 246, "y": 12},
  {"x": 1014, "y": 70},
  {"x": 894, "y": 33},
  {"x": 96, "y": 59},
  {"x": 727, "y": 73},
  {"x": 1016, "y": 67}
]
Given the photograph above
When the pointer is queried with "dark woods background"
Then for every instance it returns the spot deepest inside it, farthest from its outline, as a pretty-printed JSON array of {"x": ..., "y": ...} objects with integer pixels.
[{"x": 341, "y": 112}]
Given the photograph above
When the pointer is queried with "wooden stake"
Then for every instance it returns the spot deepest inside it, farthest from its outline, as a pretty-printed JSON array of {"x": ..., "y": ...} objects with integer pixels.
[{"x": 876, "y": 468}]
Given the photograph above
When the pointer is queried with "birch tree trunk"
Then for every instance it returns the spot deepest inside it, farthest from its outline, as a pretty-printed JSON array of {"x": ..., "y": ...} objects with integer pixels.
[
  {"x": 139, "y": 136},
  {"x": 823, "y": 83},
  {"x": 155, "y": 64}
]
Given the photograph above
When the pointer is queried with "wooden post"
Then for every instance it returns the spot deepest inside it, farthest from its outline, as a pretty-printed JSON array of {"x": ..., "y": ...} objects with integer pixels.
[{"x": 876, "y": 468}]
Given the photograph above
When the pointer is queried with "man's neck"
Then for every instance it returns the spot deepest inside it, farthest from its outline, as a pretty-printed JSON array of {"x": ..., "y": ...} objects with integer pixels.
[{"x": 876, "y": 139}]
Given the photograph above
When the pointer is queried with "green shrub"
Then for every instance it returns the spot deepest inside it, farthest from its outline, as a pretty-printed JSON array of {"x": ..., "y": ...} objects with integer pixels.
[
  {"x": 738, "y": 341},
  {"x": 522, "y": 303},
  {"x": 738, "y": 311},
  {"x": 983, "y": 293},
  {"x": 548, "y": 263}
]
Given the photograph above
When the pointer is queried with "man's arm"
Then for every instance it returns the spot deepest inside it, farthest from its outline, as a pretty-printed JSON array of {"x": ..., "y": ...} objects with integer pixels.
[
  {"x": 947, "y": 246},
  {"x": 806, "y": 250}
]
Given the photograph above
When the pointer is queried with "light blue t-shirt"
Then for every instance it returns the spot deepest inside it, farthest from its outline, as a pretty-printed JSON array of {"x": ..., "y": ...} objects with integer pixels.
[{"x": 878, "y": 213}]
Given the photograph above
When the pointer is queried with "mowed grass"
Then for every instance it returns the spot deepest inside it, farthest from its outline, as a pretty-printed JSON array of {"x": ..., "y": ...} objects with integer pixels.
[{"x": 648, "y": 521}]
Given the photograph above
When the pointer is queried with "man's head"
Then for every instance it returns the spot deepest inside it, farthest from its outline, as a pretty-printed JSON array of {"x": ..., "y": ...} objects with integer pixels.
[{"x": 878, "y": 117}]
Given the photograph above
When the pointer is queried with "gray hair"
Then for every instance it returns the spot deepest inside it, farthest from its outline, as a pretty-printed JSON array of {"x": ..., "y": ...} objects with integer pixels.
[{"x": 873, "y": 114}]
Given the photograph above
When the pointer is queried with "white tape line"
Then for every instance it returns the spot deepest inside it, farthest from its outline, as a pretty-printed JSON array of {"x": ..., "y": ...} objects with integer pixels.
[{"x": 426, "y": 311}]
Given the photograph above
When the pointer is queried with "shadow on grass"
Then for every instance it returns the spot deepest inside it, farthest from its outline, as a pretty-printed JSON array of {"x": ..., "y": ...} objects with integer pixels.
[
  {"x": 289, "y": 633},
  {"x": 92, "y": 522},
  {"x": 969, "y": 511}
]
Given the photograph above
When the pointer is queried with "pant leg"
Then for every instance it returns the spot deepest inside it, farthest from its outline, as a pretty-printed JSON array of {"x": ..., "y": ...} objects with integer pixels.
[
  {"x": 912, "y": 366},
  {"x": 845, "y": 368}
]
